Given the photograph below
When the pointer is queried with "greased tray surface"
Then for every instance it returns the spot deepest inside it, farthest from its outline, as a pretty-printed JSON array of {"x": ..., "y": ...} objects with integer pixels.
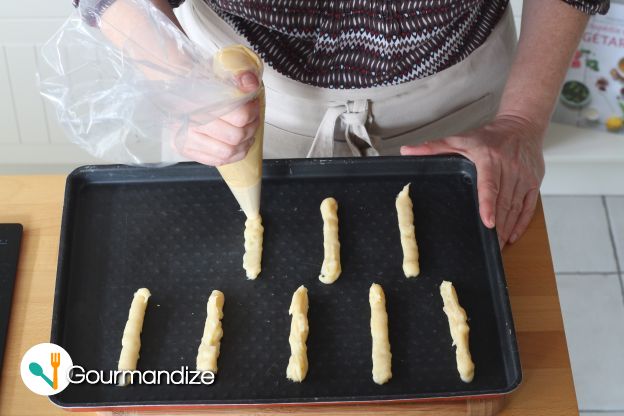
[{"x": 179, "y": 232}]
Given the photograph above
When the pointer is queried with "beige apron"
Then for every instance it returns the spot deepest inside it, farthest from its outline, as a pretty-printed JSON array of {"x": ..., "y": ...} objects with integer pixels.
[{"x": 303, "y": 120}]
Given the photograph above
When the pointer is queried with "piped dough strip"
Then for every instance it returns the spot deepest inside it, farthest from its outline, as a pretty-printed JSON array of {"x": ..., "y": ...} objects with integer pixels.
[
  {"x": 298, "y": 362},
  {"x": 210, "y": 345},
  {"x": 459, "y": 331},
  {"x": 331, "y": 269},
  {"x": 252, "y": 258},
  {"x": 131, "y": 340},
  {"x": 382, "y": 357},
  {"x": 405, "y": 213}
]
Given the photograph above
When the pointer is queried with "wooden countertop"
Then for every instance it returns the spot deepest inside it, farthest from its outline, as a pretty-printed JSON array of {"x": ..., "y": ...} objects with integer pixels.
[{"x": 547, "y": 388}]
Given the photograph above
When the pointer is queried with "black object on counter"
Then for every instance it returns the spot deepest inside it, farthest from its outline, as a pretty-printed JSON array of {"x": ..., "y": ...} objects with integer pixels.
[
  {"x": 10, "y": 239},
  {"x": 179, "y": 232}
]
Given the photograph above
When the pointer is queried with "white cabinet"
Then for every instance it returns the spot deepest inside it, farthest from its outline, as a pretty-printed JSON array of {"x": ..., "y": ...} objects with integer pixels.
[{"x": 29, "y": 132}]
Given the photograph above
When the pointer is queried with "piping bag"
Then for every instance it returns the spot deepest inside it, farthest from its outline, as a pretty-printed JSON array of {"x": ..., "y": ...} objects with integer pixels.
[
  {"x": 244, "y": 178},
  {"x": 140, "y": 95}
]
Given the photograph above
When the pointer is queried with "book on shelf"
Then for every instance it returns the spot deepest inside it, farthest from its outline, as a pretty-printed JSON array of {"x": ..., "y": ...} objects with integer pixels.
[{"x": 592, "y": 95}]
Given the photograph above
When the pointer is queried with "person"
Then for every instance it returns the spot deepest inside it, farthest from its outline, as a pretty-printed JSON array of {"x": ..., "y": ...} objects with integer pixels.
[{"x": 421, "y": 77}]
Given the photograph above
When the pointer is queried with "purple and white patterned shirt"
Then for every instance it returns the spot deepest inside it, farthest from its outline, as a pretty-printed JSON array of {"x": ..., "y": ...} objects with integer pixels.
[{"x": 365, "y": 43}]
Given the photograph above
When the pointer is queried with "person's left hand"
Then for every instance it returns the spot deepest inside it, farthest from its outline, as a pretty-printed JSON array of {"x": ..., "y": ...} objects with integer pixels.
[{"x": 510, "y": 167}]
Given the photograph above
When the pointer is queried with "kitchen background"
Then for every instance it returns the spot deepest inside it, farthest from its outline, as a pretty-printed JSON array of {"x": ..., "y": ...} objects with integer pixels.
[{"x": 583, "y": 195}]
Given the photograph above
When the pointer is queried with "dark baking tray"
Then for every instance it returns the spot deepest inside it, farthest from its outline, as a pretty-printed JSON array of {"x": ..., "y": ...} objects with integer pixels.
[
  {"x": 10, "y": 241},
  {"x": 179, "y": 232}
]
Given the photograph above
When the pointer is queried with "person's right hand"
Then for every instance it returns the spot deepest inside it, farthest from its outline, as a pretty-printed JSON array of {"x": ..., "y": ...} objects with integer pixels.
[{"x": 228, "y": 138}]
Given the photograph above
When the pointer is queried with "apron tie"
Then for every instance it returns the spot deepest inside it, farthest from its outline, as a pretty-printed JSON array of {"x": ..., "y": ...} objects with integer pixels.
[{"x": 353, "y": 116}]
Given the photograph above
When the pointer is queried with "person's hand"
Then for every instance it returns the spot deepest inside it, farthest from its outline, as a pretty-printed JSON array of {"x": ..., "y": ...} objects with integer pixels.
[
  {"x": 510, "y": 167},
  {"x": 228, "y": 138}
]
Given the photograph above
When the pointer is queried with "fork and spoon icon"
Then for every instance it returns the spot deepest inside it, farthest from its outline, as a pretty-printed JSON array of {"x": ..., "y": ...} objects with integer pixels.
[{"x": 55, "y": 362}]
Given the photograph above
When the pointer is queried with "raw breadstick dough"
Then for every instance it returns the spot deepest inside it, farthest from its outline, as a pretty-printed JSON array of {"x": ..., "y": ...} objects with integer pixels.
[
  {"x": 252, "y": 258},
  {"x": 459, "y": 331},
  {"x": 330, "y": 270},
  {"x": 382, "y": 357},
  {"x": 404, "y": 207},
  {"x": 210, "y": 345},
  {"x": 298, "y": 362},
  {"x": 131, "y": 340}
]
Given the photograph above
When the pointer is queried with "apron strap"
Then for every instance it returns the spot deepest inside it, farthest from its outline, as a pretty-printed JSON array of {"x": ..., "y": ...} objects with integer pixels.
[
  {"x": 353, "y": 116},
  {"x": 323, "y": 144}
]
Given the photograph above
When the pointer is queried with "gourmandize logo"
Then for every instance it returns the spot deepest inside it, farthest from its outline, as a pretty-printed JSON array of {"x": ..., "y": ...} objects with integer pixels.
[
  {"x": 47, "y": 369},
  {"x": 55, "y": 361},
  {"x": 44, "y": 369}
]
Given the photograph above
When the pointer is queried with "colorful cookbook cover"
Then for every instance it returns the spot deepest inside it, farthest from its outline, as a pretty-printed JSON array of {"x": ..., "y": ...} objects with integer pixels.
[{"x": 592, "y": 95}]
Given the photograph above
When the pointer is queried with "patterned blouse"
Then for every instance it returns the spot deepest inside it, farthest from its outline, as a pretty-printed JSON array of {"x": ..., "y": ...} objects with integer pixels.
[{"x": 365, "y": 43}]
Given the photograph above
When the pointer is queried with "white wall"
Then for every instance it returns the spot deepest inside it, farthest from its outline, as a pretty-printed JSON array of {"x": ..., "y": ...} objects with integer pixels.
[
  {"x": 516, "y": 7},
  {"x": 29, "y": 132}
]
